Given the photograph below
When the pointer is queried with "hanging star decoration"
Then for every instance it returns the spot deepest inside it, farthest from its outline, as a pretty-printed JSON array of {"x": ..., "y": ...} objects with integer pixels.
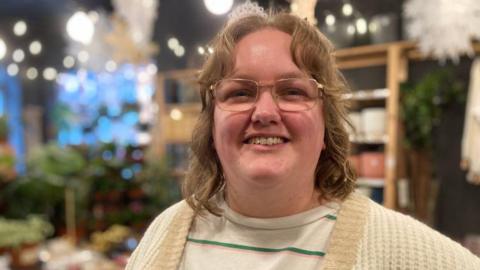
[
  {"x": 444, "y": 29},
  {"x": 304, "y": 9},
  {"x": 124, "y": 47}
]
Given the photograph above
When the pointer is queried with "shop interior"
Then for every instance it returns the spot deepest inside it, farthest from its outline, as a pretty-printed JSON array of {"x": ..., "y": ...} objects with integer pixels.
[{"x": 98, "y": 100}]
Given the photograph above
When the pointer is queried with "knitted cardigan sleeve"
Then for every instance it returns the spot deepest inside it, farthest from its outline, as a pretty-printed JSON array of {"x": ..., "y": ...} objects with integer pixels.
[
  {"x": 162, "y": 244},
  {"x": 395, "y": 241}
]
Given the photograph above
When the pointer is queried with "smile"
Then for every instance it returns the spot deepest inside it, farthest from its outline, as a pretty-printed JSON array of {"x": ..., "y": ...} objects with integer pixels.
[{"x": 266, "y": 140}]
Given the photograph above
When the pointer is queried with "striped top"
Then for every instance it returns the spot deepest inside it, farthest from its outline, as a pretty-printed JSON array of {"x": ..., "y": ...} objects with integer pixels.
[{"x": 234, "y": 241}]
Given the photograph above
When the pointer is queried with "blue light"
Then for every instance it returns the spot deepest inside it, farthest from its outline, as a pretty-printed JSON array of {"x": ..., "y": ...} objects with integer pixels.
[
  {"x": 132, "y": 243},
  {"x": 71, "y": 84},
  {"x": 127, "y": 174},
  {"x": 107, "y": 155},
  {"x": 76, "y": 135},
  {"x": 128, "y": 72},
  {"x": 114, "y": 110},
  {"x": 137, "y": 167},
  {"x": 62, "y": 137},
  {"x": 1, "y": 103},
  {"x": 130, "y": 118},
  {"x": 104, "y": 129},
  {"x": 137, "y": 154},
  {"x": 85, "y": 92}
]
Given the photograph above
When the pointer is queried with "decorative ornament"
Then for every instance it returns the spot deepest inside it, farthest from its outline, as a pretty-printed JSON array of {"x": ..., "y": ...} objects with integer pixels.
[
  {"x": 304, "y": 9},
  {"x": 125, "y": 49},
  {"x": 133, "y": 24},
  {"x": 246, "y": 9},
  {"x": 98, "y": 51},
  {"x": 443, "y": 28}
]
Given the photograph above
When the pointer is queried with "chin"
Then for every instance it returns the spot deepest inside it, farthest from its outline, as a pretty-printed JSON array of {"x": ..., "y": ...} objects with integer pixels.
[{"x": 265, "y": 174}]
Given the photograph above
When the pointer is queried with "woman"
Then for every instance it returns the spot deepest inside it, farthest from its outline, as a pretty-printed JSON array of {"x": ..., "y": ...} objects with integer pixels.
[{"x": 269, "y": 186}]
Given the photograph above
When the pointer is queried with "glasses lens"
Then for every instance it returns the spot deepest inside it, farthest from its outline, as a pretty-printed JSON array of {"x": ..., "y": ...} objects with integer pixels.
[
  {"x": 235, "y": 94},
  {"x": 296, "y": 94}
]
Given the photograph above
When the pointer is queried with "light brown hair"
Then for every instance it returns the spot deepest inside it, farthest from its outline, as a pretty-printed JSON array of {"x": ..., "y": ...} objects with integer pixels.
[{"x": 312, "y": 53}]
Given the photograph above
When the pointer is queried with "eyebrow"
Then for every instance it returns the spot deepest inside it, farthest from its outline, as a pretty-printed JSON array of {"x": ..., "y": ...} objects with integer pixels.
[{"x": 286, "y": 75}]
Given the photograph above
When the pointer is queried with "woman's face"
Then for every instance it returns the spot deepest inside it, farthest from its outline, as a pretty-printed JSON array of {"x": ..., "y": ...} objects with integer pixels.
[{"x": 264, "y": 56}]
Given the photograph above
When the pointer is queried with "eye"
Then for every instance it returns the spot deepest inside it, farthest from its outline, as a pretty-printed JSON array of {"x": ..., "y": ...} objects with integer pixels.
[
  {"x": 293, "y": 92},
  {"x": 237, "y": 91}
]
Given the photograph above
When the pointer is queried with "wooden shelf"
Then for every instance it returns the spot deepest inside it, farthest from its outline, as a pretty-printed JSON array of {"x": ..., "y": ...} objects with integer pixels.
[
  {"x": 373, "y": 94},
  {"x": 371, "y": 182},
  {"x": 383, "y": 140}
]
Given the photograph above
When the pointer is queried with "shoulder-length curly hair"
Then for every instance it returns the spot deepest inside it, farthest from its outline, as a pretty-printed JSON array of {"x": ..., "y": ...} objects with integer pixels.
[{"x": 312, "y": 53}]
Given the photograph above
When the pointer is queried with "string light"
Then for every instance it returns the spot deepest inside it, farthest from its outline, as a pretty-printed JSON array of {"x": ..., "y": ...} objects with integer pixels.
[
  {"x": 12, "y": 69},
  {"x": 347, "y": 9},
  {"x": 83, "y": 56},
  {"x": 173, "y": 43},
  {"x": 80, "y": 27},
  {"x": 20, "y": 28},
  {"x": 330, "y": 19},
  {"x": 3, "y": 49},
  {"x": 176, "y": 114},
  {"x": 110, "y": 66},
  {"x": 18, "y": 55},
  {"x": 32, "y": 73},
  {"x": 179, "y": 51},
  {"x": 49, "y": 74},
  {"x": 35, "y": 47},
  {"x": 218, "y": 7},
  {"x": 68, "y": 61},
  {"x": 361, "y": 25}
]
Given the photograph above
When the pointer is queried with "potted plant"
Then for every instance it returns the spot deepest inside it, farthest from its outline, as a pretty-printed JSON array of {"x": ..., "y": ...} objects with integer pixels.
[
  {"x": 18, "y": 236},
  {"x": 422, "y": 107}
]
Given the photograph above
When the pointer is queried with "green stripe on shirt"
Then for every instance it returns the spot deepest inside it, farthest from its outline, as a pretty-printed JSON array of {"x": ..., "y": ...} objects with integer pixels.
[
  {"x": 258, "y": 249},
  {"x": 332, "y": 217}
]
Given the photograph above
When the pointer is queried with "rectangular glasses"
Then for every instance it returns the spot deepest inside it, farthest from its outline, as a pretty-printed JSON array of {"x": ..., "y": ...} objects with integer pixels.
[{"x": 293, "y": 94}]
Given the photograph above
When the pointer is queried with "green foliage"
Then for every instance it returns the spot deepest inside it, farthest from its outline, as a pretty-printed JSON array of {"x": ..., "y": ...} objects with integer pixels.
[
  {"x": 50, "y": 169},
  {"x": 14, "y": 233},
  {"x": 423, "y": 104},
  {"x": 3, "y": 128},
  {"x": 162, "y": 189},
  {"x": 59, "y": 166}
]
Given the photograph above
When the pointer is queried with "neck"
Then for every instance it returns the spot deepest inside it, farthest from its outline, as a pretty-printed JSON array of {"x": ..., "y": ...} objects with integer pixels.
[{"x": 271, "y": 202}]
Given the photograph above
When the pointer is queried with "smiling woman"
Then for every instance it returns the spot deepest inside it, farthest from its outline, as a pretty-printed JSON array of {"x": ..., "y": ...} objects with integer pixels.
[{"x": 269, "y": 185}]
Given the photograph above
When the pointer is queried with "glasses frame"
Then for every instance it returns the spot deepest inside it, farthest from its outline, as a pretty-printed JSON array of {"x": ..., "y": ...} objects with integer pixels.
[{"x": 271, "y": 86}]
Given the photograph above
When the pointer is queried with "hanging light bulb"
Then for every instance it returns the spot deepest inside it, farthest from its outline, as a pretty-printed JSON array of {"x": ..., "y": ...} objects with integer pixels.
[
  {"x": 218, "y": 7},
  {"x": 18, "y": 55},
  {"x": 3, "y": 49},
  {"x": 80, "y": 27},
  {"x": 20, "y": 28},
  {"x": 35, "y": 47},
  {"x": 347, "y": 9}
]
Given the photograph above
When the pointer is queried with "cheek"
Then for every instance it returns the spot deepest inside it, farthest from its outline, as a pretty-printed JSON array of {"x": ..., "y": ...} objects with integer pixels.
[
  {"x": 311, "y": 127},
  {"x": 225, "y": 129}
]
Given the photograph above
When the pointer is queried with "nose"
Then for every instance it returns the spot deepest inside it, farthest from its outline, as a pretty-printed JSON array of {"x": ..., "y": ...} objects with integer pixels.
[{"x": 266, "y": 111}]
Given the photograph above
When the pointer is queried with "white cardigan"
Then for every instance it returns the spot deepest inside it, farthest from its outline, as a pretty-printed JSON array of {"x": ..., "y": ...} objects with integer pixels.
[
  {"x": 471, "y": 129},
  {"x": 366, "y": 236}
]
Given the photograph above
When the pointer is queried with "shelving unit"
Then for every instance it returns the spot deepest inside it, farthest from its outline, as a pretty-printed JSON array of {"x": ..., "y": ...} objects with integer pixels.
[{"x": 393, "y": 56}]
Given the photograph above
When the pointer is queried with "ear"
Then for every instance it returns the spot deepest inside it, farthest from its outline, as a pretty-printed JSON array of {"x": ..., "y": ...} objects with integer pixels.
[{"x": 324, "y": 146}]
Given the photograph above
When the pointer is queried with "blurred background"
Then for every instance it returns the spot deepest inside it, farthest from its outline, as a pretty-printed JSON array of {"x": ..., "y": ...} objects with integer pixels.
[{"x": 98, "y": 99}]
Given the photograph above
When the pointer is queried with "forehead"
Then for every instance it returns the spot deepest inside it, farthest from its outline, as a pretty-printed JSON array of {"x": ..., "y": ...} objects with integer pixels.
[{"x": 264, "y": 54}]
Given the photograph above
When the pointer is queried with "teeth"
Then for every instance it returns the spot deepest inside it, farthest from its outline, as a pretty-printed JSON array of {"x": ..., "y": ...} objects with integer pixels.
[{"x": 265, "y": 140}]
